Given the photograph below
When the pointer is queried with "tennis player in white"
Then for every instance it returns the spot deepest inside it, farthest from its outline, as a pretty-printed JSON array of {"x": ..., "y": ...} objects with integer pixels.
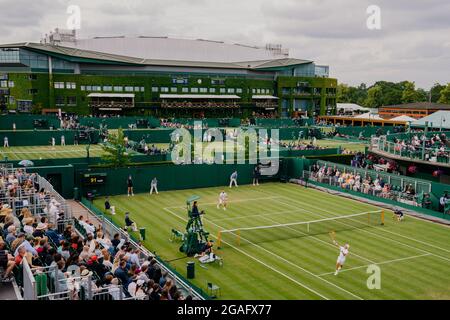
[
  {"x": 223, "y": 197},
  {"x": 343, "y": 252}
]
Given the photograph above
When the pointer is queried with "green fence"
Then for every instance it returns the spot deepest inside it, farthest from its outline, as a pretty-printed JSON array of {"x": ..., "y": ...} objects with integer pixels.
[
  {"x": 117, "y": 122},
  {"x": 211, "y": 122},
  {"x": 365, "y": 132},
  {"x": 170, "y": 177},
  {"x": 26, "y": 122},
  {"x": 61, "y": 178},
  {"x": 279, "y": 123},
  {"x": 150, "y": 135}
]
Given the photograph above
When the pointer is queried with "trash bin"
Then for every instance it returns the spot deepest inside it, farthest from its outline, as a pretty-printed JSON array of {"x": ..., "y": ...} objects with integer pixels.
[
  {"x": 142, "y": 232},
  {"x": 190, "y": 269},
  {"x": 76, "y": 195}
]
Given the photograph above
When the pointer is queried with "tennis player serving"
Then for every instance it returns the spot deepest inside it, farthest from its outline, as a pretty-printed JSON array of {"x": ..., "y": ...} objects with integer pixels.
[{"x": 343, "y": 253}]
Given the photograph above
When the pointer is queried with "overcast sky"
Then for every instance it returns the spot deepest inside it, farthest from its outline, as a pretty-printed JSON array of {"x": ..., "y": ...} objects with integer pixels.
[{"x": 412, "y": 44}]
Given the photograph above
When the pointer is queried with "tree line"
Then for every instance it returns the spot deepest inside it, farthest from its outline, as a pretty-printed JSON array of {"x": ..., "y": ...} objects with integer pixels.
[{"x": 384, "y": 93}]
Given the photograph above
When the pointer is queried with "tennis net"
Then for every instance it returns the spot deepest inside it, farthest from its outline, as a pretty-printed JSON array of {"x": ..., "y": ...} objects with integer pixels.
[{"x": 275, "y": 232}]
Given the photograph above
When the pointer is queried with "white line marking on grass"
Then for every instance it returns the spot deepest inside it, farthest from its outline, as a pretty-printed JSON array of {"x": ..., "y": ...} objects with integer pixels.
[
  {"x": 375, "y": 234},
  {"x": 368, "y": 204},
  {"x": 379, "y": 263},
  {"x": 231, "y": 201},
  {"x": 291, "y": 263},
  {"x": 256, "y": 215},
  {"x": 320, "y": 240},
  {"x": 371, "y": 205},
  {"x": 259, "y": 261}
]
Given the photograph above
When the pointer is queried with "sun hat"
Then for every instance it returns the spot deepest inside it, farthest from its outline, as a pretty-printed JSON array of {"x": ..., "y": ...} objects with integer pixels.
[
  {"x": 41, "y": 226},
  {"x": 86, "y": 273}
]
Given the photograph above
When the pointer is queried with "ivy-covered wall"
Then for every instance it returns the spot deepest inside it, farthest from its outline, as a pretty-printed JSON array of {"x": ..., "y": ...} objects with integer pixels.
[
  {"x": 326, "y": 92},
  {"x": 47, "y": 95}
]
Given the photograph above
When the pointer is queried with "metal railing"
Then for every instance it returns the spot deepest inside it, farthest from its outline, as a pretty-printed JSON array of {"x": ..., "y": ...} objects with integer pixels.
[
  {"x": 394, "y": 180},
  {"x": 395, "y": 195},
  {"x": 431, "y": 154},
  {"x": 110, "y": 229},
  {"x": 64, "y": 207}
]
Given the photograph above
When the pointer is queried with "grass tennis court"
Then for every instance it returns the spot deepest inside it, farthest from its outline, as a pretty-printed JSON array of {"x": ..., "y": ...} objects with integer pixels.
[
  {"x": 414, "y": 255},
  {"x": 57, "y": 152},
  {"x": 49, "y": 152}
]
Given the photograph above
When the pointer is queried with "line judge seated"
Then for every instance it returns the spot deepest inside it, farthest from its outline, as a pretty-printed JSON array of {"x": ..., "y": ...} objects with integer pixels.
[{"x": 129, "y": 223}]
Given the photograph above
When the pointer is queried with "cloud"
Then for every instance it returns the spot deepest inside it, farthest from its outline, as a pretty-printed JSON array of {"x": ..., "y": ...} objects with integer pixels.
[{"x": 412, "y": 44}]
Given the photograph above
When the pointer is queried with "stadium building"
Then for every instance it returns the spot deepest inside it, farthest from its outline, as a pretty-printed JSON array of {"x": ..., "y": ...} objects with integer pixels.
[{"x": 160, "y": 76}]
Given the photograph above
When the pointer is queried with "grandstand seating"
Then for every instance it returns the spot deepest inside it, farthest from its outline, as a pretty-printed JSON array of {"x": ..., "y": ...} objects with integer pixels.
[{"x": 41, "y": 258}]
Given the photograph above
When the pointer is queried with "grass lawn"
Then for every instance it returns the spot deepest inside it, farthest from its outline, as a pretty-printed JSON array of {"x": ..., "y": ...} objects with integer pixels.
[
  {"x": 49, "y": 152},
  {"x": 329, "y": 143},
  {"x": 283, "y": 263},
  {"x": 57, "y": 152}
]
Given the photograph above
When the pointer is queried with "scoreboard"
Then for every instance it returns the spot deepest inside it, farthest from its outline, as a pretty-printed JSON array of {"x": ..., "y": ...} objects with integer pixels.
[{"x": 94, "y": 179}]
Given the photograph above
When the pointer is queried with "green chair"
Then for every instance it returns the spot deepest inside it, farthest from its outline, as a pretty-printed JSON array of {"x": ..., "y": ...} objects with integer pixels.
[{"x": 213, "y": 290}]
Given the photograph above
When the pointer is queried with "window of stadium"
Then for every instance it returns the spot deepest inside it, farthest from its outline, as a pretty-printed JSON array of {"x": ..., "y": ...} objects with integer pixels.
[
  {"x": 96, "y": 88},
  {"x": 107, "y": 88},
  {"x": 12, "y": 100},
  {"x": 155, "y": 89},
  {"x": 59, "y": 101},
  {"x": 24, "y": 105},
  {"x": 128, "y": 89},
  {"x": 142, "y": 89},
  {"x": 118, "y": 88},
  {"x": 83, "y": 88},
  {"x": 238, "y": 90},
  {"x": 185, "y": 90},
  {"x": 218, "y": 82},
  {"x": 173, "y": 89},
  {"x": 164, "y": 89},
  {"x": 4, "y": 84},
  {"x": 72, "y": 101},
  {"x": 137, "y": 89},
  {"x": 212, "y": 90},
  {"x": 71, "y": 85},
  {"x": 59, "y": 85},
  {"x": 222, "y": 90},
  {"x": 194, "y": 90},
  {"x": 11, "y": 84},
  {"x": 204, "y": 90}
]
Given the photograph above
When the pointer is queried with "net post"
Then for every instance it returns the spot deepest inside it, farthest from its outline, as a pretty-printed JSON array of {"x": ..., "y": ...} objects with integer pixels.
[
  {"x": 368, "y": 218},
  {"x": 382, "y": 217},
  {"x": 238, "y": 237}
]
